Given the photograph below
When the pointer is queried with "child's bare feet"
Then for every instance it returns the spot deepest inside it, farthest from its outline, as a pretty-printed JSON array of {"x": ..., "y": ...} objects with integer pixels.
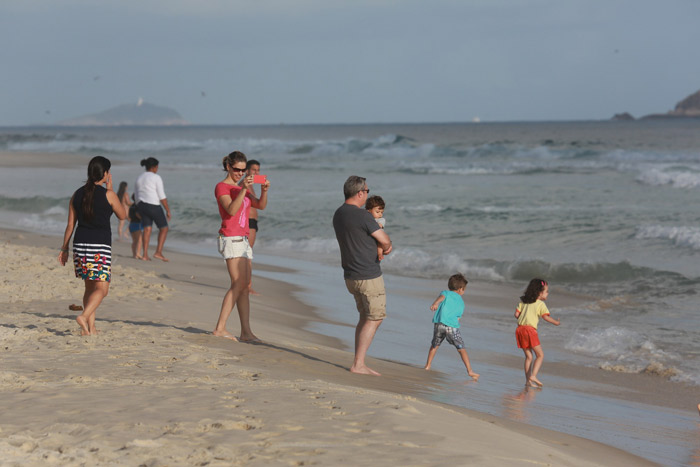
[
  {"x": 535, "y": 383},
  {"x": 475, "y": 376}
]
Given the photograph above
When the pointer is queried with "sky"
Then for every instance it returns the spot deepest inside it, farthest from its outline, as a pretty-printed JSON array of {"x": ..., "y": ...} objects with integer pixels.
[{"x": 348, "y": 61}]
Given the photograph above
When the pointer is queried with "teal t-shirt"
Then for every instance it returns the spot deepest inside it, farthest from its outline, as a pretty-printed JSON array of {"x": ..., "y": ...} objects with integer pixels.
[{"x": 450, "y": 309}]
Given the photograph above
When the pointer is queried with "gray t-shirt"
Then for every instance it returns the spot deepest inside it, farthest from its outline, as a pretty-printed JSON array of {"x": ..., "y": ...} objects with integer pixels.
[{"x": 358, "y": 249}]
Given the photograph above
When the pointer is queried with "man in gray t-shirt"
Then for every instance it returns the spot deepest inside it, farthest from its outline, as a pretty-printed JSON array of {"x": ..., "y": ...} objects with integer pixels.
[{"x": 358, "y": 235}]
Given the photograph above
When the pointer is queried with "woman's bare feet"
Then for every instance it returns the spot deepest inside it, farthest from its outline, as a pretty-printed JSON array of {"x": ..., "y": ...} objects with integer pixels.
[
  {"x": 475, "y": 376},
  {"x": 161, "y": 257},
  {"x": 225, "y": 334},
  {"x": 249, "y": 339},
  {"x": 364, "y": 370},
  {"x": 82, "y": 322}
]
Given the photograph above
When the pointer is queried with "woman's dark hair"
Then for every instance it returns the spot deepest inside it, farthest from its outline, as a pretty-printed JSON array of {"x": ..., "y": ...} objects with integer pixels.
[
  {"x": 533, "y": 290},
  {"x": 149, "y": 163},
  {"x": 234, "y": 157},
  {"x": 97, "y": 168},
  {"x": 122, "y": 189}
]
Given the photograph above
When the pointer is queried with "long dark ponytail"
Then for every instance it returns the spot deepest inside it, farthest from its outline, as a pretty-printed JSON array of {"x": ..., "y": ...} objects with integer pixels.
[{"x": 96, "y": 170}]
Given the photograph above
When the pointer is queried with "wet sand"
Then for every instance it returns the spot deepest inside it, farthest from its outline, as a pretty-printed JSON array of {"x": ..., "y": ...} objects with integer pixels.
[{"x": 156, "y": 387}]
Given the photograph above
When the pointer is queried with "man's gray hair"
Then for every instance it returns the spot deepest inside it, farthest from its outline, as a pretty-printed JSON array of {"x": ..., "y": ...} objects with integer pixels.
[{"x": 353, "y": 185}]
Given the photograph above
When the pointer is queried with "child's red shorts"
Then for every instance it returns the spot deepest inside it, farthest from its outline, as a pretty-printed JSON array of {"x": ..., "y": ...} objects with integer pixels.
[{"x": 526, "y": 337}]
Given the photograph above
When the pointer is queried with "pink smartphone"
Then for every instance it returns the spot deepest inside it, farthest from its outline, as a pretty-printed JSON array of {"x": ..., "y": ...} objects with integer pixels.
[{"x": 259, "y": 178}]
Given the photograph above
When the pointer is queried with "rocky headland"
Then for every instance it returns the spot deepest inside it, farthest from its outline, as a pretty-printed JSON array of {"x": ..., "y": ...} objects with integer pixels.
[
  {"x": 687, "y": 108},
  {"x": 139, "y": 114}
]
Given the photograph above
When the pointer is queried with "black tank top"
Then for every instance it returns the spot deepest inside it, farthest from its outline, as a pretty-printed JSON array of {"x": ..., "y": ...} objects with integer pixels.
[{"x": 98, "y": 229}]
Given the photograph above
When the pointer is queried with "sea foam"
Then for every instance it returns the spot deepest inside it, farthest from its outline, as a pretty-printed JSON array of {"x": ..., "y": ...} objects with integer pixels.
[
  {"x": 682, "y": 236},
  {"x": 675, "y": 178},
  {"x": 626, "y": 351}
]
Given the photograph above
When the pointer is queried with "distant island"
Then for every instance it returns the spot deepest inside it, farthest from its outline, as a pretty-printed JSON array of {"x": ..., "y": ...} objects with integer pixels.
[
  {"x": 138, "y": 114},
  {"x": 687, "y": 108}
]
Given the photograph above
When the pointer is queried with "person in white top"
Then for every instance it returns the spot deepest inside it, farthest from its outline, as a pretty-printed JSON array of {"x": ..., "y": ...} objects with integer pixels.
[{"x": 149, "y": 195}]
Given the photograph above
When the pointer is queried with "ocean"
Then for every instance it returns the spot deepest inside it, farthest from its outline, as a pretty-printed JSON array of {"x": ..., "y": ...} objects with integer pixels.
[{"x": 605, "y": 211}]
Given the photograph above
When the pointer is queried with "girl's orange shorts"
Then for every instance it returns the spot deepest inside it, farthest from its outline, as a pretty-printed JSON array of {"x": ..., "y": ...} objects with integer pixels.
[{"x": 526, "y": 337}]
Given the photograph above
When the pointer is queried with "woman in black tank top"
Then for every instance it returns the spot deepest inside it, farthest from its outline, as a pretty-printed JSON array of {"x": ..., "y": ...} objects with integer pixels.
[{"x": 91, "y": 207}]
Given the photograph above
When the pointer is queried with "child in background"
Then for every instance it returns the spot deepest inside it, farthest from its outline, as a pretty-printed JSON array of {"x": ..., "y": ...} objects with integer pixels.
[
  {"x": 529, "y": 311},
  {"x": 136, "y": 230},
  {"x": 448, "y": 308},
  {"x": 375, "y": 206},
  {"x": 123, "y": 196}
]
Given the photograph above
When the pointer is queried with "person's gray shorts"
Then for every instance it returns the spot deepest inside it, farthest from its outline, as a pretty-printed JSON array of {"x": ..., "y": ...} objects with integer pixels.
[
  {"x": 440, "y": 332},
  {"x": 151, "y": 213}
]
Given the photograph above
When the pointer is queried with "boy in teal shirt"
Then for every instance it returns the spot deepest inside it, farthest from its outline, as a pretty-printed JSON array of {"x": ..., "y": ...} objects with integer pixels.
[{"x": 448, "y": 308}]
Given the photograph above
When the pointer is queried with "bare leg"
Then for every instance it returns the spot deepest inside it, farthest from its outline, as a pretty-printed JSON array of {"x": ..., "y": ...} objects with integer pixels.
[
  {"x": 162, "y": 234},
  {"x": 364, "y": 333},
  {"x": 237, "y": 294},
  {"x": 528, "y": 365},
  {"x": 136, "y": 244},
  {"x": 431, "y": 355},
  {"x": 243, "y": 305},
  {"x": 251, "y": 240},
  {"x": 539, "y": 358},
  {"x": 251, "y": 237},
  {"x": 465, "y": 359},
  {"x": 250, "y": 286},
  {"x": 120, "y": 229},
  {"x": 146, "y": 241},
  {"x": 95, "y": 292}
]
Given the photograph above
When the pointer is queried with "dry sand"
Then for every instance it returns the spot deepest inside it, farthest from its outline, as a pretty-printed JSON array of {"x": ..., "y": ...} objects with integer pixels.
[{"x": 155, "y": 388}]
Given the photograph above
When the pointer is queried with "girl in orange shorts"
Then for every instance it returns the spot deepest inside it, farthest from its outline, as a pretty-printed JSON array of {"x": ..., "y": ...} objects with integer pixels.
[{"x": 529, "y": 311}]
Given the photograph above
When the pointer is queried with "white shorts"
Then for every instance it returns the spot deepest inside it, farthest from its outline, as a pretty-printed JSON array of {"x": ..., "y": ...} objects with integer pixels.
[{"x": 235, "y": 247}]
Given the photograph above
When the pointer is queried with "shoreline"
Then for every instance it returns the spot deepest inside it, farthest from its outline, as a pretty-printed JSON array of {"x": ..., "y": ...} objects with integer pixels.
[{"x": 290, "y": 359}]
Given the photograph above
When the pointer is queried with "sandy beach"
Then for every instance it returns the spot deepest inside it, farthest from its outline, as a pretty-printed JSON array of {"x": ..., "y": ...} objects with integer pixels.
[{"x": 156, "y": 388}]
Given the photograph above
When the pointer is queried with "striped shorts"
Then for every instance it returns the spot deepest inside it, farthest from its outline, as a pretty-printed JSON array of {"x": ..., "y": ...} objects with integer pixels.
[{"x": 92, "y": 261}]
